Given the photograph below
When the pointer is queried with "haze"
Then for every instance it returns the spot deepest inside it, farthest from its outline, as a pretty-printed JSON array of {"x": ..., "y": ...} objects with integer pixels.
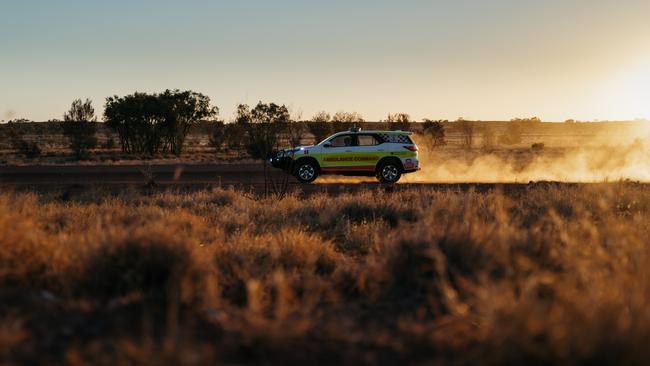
[{"x": 580, "y": 59}]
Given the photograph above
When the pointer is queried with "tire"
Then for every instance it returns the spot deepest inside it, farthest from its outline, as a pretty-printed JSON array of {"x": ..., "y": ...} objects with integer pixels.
[
  {"x": 306, "y": 171},
  {"x": 389, "y": 171}
]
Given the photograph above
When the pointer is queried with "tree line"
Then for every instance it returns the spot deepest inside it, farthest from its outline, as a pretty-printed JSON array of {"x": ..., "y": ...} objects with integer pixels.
[
  {"x": 160, "y": 122},
  {"x": 150, "y": 123}
]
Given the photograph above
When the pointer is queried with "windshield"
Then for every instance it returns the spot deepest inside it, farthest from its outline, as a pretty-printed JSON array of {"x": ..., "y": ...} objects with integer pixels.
[
  {"x": 342, "y": 141},
  {"x": 325, "y": 140}
]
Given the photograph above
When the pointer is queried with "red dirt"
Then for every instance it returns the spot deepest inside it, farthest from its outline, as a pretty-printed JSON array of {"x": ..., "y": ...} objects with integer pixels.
[{"x": 247, "y": 177}]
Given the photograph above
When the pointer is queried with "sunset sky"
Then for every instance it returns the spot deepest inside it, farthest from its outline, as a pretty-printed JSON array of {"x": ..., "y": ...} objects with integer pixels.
[{"x": 498, "y": 59}]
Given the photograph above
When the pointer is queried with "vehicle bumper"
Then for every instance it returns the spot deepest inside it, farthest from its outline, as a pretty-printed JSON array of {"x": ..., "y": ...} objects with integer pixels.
[
  {"x": 411, "y": 165},
  {"x": 281, "y": 163}
]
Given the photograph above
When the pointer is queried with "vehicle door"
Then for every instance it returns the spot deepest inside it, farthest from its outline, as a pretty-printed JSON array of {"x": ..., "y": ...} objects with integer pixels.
[
  {"x": 338, "y": 152},
  {"x": 367, "y": 152}
]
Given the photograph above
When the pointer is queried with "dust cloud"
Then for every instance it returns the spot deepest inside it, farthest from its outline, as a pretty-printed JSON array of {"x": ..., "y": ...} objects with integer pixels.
[
  {"x": 583, "y": 165},
  {"x": 601, "y": 158}
]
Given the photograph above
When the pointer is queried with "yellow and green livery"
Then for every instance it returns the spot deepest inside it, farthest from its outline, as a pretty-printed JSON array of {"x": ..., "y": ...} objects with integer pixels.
[{"x": 384, "y": 154}]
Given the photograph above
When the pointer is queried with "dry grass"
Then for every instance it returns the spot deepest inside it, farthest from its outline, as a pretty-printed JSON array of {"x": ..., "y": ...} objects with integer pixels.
[{"x": 552, "y": 275}]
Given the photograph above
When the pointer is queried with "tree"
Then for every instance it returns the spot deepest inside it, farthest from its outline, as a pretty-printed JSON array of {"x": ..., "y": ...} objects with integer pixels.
[
  {"x": 399, "y": 121},
  {"x": 15, "y": 133},
  {"x": 526, "y": 120},
  {"x": 227, "y": 135},
  {"x": 138, "y": 120},
  {"x": 148, "y": 123},
  {"x": 350, "y": 117},
  {"x": 218, "y": 136},
  {"x": 435, "y": 131},
  {"x": 344, "y": 120},
  {"x": 263, "y": 125},
  {"x": 243, "y": 113},
  {"x": 235, "y": 135},
  {"x": 182, "y": 110},
  {"x": 79, "y": 126},
  {"x": 320, "y": 126},
  {"x": 20, "y": 120},
  {"x": 466, "y": 129},
  {"x": 321, "y": 116}
]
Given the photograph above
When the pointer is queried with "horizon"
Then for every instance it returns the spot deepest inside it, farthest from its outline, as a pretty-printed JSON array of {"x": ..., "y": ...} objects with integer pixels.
[
  {"x": 219, "y": 119},
  {"x": 582, "y": 60}
]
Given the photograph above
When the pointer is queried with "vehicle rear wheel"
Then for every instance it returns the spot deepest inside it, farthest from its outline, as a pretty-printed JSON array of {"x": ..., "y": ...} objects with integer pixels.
[
  {"x": 306, "y": 171},
  {"x": 389, "y": 172}
]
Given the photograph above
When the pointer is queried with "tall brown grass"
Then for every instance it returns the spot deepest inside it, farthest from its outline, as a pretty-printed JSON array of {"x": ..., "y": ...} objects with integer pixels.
[{"x": 545, "y": 275}]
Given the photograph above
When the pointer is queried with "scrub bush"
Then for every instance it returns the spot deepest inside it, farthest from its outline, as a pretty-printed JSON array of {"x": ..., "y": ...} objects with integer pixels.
[{"x": 545, "y": 275}]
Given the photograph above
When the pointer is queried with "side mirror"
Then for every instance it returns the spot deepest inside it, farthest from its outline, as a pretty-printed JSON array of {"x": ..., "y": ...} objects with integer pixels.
[{"x": 327, "y": 145}]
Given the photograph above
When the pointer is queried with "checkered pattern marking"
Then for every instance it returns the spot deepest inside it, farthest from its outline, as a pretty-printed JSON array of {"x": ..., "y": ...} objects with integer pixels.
[{"x": 395, "y": 138}]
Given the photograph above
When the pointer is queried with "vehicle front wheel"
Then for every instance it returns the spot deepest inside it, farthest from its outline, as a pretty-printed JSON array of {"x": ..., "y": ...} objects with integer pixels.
[
  {"x": 389, "y": 172},
  {"x": 306, "y": 172}
]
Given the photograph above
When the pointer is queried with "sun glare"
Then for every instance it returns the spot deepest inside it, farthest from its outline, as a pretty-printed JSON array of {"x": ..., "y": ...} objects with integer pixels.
[{"x": 633, "y": 91}]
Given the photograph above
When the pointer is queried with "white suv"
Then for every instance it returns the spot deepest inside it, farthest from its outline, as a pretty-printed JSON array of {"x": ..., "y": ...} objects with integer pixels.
[{"x": 384, "y": 154}]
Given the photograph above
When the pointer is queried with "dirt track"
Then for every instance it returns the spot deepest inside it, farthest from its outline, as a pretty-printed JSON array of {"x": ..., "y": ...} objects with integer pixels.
[
  {"x": 134, "y": 174},
  {"x": 248, "y": 177}
]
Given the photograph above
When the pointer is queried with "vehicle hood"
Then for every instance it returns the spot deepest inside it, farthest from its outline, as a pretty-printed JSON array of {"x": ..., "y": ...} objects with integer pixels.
[{"x": 298, "y": 148}]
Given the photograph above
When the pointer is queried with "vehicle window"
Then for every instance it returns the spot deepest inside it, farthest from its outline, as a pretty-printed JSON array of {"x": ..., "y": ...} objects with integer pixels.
[
  {"x": 367, "y": 140},
  {"x": 342, "y": 141},
  {"x": 396, "y": 138}
]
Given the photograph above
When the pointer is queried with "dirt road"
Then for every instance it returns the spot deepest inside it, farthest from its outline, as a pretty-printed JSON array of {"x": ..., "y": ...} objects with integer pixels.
[
  {"x": 134, "y": 174},
  {"x": 241, "y": 176}
]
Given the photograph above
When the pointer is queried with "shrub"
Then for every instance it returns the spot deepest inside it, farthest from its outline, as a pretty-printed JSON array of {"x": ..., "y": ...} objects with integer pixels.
[
  {"x": 466, "y": 129},
  {"x": 25, "y": 254},
  {"x": 15, "y": 133},
  {"x": 531, "y": 120},
  {"x": 399, "y": 121},
  {"x": 263, "y": 125},
  {"x": 235, "y": 136},
  {"x": 342, "y": 121},
  {"x": 218, "y": 136},
  {"x": 247, "y": 258},
  {"x": 321, "y": 116},
  {"x": 137, "y": 264},
  {"x": 551, "y": 274},
  {"x": 148, "y": 123},
  {"x": 360, "y": 211},
  {"x": 79, "y": 127},
  {"x": 28, "y": 149},
  {"x": 435, "y": 132}
]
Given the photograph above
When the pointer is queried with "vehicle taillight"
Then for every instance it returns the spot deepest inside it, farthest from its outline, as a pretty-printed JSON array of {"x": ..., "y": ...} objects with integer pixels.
[{"x": 411, "y": 147}]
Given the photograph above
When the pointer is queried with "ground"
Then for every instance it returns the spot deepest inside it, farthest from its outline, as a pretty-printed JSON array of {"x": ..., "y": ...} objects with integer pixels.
[
  {"x": 544, "y": 274},
  {"x": 491, "y": 255}
]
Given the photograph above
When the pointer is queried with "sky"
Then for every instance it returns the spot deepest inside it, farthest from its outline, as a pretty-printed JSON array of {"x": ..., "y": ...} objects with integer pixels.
[{"x": 477, "y": 59}]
